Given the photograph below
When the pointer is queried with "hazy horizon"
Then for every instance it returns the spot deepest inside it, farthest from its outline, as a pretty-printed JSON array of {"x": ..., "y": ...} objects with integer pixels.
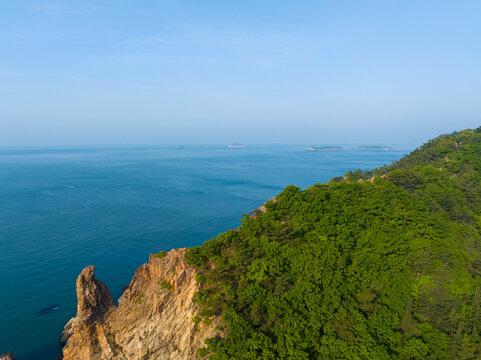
[
  {"x": 99, "y": 73},
  {"x": 184, "y": 146}
]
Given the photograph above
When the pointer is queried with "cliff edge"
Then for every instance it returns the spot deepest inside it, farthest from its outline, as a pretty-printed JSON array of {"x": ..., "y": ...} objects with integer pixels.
[{"x": 154, "y": 319}]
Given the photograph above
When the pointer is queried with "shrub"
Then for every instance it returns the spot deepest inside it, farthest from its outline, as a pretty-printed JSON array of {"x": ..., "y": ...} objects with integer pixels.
[
  {"x": 203, "y": 352},
  {"x": 160, "y": 254},
  {"x": 165, "y": 284},
  {"x": 139, "y": 298}
]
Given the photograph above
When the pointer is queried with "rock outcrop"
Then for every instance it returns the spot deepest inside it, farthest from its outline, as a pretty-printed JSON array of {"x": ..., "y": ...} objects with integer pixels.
[
  {"x": 154, "y": 319},
  {"x": 7, "y": 356},
  {"x": 94, "y": 298}
]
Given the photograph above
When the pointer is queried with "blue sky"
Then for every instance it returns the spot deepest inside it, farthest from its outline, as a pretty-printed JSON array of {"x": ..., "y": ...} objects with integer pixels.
[{"x": 95, "y": 72}]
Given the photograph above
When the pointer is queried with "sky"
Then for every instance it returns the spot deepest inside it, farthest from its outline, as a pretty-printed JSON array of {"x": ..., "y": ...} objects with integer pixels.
[{"x": 114, "y": 72}]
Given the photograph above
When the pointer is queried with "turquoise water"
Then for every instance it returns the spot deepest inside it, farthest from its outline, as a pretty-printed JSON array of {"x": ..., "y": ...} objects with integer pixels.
[{"x": 64, "y": 209}]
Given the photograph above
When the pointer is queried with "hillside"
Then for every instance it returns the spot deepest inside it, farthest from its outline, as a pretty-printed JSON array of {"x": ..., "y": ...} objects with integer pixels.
[{"x": 383, "y": 264}]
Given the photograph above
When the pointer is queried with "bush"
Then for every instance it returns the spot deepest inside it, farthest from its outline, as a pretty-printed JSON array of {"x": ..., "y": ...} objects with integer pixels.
[
  {"x": 203, "y": 352},
  {"x": 160, "y": 254},
  {"x": 139, "y": 298},
  {"x": 165, "y": 284}
]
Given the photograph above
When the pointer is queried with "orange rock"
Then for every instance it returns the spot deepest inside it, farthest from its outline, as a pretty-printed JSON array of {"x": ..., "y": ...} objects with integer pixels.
[{"x": 151, "y": 321}]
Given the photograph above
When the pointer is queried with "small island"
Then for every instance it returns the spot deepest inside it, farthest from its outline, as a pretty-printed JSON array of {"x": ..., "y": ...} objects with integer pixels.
[
  {"x": 236, "y": 145},
  {"x": 324, "y": 148},
  {"x": 373, "y": 148}
]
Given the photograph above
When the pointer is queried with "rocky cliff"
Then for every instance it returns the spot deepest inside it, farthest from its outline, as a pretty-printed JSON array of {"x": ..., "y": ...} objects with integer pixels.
[{"x": 154, "y": 318}]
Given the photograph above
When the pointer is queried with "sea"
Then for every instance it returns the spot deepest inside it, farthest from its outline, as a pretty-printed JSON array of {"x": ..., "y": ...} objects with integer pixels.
[{"x": 62, "y": 209}]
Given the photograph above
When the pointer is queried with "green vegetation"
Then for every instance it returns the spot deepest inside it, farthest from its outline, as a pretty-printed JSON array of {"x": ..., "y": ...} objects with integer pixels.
[
  {"x": 165, "y": 284},
  {"x": 203, "y": 352},
  {"x": 160, "y": 254},
  {"x": 139, "y": 298},
  {"x": 196, "y": 319},
  {"x": 382, "y": 264}
]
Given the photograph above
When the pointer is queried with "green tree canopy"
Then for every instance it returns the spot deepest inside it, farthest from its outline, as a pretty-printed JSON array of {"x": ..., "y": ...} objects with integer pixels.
[{"x": 382, "y": 264}]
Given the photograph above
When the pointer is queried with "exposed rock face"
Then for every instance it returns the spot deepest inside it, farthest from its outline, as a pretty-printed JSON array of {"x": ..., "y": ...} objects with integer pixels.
[
  {"x": 7, "y": 356},
  {"x": 153, "y": 319},
  {"x": 93, "y": 296}
]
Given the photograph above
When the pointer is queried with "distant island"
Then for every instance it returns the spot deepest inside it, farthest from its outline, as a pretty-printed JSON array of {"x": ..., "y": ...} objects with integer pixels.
[
  {"x": 236, "y": 145},
  {"x": 375, "y": 148},
  {"x": 324, "y": 148}
]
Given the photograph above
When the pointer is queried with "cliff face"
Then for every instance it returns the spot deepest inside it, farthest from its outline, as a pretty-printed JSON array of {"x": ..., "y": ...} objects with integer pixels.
[{"x": 153, "y": 319}]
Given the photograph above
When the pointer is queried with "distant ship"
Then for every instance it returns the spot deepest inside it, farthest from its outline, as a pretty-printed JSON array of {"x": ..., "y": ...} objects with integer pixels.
[
  {"x": 375, "y": 148},
  {"x": 236, "y": 145},
  {"x": 324, "y": 148}
]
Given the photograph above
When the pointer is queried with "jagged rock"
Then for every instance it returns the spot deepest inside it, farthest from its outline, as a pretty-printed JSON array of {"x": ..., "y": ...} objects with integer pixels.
[
  {"x": 7, "y": 356},
  {"x": 93, "y": 296},
  {"x": 153, "y": 319}
]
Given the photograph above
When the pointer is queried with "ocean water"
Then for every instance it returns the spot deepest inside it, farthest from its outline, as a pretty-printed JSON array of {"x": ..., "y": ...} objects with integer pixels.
[{"x": 64, "y": 209}]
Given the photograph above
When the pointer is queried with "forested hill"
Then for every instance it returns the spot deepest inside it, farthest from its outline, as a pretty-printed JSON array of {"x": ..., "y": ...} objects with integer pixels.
[{"x": 383, "y": 264}]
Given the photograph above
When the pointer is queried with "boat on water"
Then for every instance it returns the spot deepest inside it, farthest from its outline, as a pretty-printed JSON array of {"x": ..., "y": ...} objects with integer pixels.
[
  {"x": 324, "y": 148},
  {"x": 236, "y": 145}
]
